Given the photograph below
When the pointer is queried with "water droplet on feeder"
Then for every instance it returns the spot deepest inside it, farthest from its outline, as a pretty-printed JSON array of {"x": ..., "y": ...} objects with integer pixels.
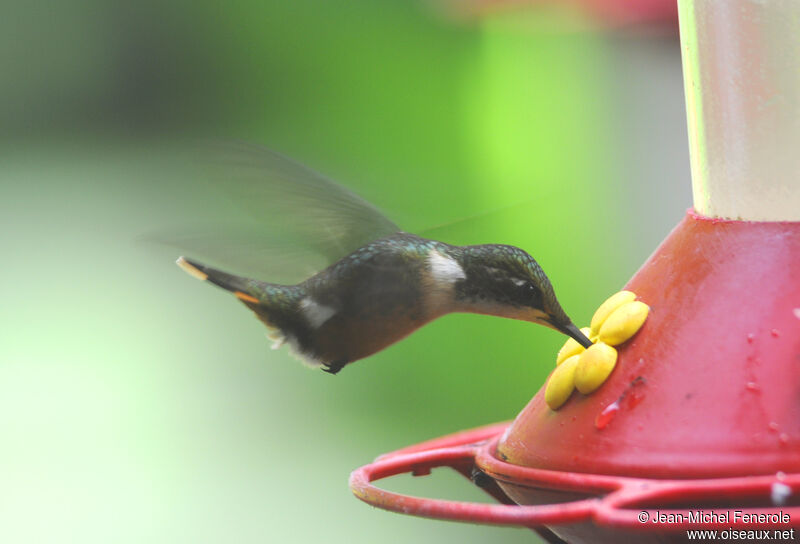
[
  {"x": 750, "y": 338},
  {"x": 783, "y": 438},
  {"x": 775, "y": 333},
  {"x": 753, "y": 386},
  {"x": 633, "y": 399},
  {"x": 779, "y": 493},
  {"x": 605, "y": 417},
  {"x": 773, "y": 426}
]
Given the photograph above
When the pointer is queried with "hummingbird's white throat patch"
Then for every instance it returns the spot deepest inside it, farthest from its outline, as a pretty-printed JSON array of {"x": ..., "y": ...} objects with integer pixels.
[
  {"x": 316, "y": 313},
  {"x": 439, "y": 280},
  {"x": 444, "y": 269}
]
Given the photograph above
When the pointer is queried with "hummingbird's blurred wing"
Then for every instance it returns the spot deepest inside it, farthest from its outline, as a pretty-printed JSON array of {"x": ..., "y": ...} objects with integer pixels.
[
  {"x": 244, "y": 247},
  {"x": 304, "y": 206},
  {"x": 297, "y": 220}
]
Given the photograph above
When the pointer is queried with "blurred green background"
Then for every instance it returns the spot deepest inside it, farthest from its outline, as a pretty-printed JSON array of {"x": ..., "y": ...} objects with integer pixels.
[{"x": 139, "y": 405}]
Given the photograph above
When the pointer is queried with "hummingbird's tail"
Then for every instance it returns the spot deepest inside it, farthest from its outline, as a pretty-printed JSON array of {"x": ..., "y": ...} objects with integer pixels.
[
  {"x": 238, "y": 285},
  {"x": 267, "y": 300}
]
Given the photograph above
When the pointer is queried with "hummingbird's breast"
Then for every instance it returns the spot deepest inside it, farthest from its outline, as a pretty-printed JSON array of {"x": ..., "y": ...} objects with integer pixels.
[{"x": 375, "y": 297}]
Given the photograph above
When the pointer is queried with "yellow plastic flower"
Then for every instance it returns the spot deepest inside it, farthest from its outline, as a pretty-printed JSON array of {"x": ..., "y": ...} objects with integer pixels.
[
  {"x": 615, "y": 322},
  {"x": 561, "y": 383}
]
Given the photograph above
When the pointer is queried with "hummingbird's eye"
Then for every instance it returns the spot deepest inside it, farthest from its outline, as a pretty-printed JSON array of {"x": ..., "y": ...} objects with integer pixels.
[{"x": 532, "y": 294}]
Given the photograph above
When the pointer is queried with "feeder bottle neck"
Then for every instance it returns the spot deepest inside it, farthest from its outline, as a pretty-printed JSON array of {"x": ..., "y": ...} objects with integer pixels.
[{"x": 741, "y": 71}]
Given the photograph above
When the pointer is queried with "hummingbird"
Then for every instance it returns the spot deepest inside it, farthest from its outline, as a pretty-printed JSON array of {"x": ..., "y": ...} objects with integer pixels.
[{"x": 381, "y": 283}]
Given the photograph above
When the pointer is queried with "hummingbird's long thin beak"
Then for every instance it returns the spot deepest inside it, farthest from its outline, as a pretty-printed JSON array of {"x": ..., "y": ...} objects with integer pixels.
[{"x": 575, "y": 332}]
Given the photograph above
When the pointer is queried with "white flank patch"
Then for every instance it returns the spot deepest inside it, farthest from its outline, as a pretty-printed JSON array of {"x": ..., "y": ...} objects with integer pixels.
[
  {"x": 277, "y": 337},
  {"x": 279, "y": 340},
  {"x": 316, "y": 313},
  {"x": 304, "y": 357},
  {"x": 444, "y": 269}
]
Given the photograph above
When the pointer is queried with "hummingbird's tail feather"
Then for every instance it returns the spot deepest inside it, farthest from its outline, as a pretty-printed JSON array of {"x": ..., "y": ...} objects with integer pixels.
[
  {"x": 268, "y": 301},
  {"x": 238, "y": 285}
]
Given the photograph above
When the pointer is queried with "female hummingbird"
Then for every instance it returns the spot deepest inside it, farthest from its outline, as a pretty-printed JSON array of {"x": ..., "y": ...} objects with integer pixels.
[{"x": 383, "y": 283}]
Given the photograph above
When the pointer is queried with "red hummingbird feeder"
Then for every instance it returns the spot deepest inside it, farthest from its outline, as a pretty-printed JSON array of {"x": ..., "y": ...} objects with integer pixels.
[{"x": 698, "y": 426}]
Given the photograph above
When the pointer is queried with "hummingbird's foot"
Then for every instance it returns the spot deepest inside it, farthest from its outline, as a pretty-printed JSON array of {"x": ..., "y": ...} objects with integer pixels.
[{"x": 334, "y": 368}]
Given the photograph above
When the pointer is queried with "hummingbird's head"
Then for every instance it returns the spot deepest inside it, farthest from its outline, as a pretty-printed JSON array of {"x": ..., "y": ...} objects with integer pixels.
[{"x": 505, "y": 281}]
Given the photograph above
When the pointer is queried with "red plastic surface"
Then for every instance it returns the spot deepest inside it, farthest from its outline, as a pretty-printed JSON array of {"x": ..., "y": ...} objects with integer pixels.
[{"x": 710, "y": 386}]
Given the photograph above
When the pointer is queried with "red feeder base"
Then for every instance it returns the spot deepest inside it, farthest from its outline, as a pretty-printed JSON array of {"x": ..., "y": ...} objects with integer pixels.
[{"x": 701, "y": 414}]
